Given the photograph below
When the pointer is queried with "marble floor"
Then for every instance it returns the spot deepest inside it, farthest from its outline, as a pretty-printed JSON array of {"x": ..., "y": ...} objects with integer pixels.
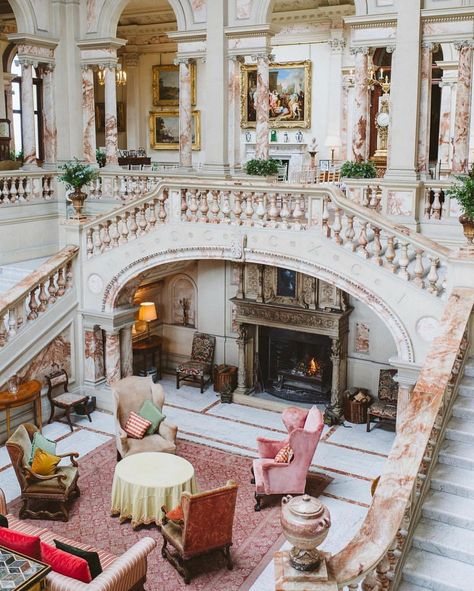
[{"x": 348, "y": 455}]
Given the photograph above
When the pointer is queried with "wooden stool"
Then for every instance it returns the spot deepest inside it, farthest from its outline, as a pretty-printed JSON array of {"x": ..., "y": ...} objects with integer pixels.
[{"x": 65, "y": 401}]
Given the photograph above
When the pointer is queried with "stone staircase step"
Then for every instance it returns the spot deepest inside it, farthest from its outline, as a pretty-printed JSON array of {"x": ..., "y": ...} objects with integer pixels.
[
  {"x": 445, "y": 540},
  {"x": 404, "y": 586},
  {"x": 466, "y": 387},
  {"x": 469, "y": 367},
  {"x": 437, "y": 573},
  {"x": 463, "y": 408},
  {"x": 457, "y": 454},
  {"x": 450, "y": 509},
  {"x": 460, "y": 430},
  {"x": 453, "y": 480}
]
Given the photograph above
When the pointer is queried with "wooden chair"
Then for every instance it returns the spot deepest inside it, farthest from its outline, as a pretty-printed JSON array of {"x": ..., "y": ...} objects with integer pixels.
[
  {"x": 200, "y": 368},
  {"x": 65, "y": 401},
  {"x": 37, "y": 490},
  {"x": 385, "y": 408},
  {"x": 207, "y": 525}
]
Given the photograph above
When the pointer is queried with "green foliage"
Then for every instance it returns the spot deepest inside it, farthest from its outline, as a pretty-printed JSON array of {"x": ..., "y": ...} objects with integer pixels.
[
  {"x": 100, "y": 157},
  {"x": 463, "y": 192},
  {"x": 358, "y": 170},
  {"x": 76, "y": 174},
  {"x": 262, "y": 167},
  {"x": 16, "y": 155}
]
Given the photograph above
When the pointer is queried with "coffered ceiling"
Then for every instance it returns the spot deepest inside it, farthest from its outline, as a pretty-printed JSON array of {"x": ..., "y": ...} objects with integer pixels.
[{"x": 147, "y": 12}]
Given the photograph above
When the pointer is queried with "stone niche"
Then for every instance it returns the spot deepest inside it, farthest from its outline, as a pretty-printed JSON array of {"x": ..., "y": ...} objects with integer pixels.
[{"x": 293, "y": 334}]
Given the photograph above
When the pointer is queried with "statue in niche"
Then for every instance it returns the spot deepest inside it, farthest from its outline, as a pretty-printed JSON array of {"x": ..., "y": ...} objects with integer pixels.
[{"x": 184, "y": 303}]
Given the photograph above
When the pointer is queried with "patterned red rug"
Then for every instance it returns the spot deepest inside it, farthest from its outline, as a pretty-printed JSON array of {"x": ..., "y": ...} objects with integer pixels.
[{"x": 255, "y": 534}]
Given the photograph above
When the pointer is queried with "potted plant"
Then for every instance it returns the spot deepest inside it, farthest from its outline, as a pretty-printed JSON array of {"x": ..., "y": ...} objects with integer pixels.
[
  {"x": 261, "y": 167},
  {"x": 76, "y": 175},
  {"x": 100, "y": 157},
  {"x": 358, "y": 170},
  {"x": 463, "y": 192}
]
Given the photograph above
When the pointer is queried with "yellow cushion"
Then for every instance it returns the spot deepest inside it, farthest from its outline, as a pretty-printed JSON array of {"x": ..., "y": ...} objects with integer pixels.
[{"x": 44, "y": 464}]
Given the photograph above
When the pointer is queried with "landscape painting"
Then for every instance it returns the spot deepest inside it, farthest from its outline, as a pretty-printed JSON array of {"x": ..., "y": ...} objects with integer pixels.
[
  {"x": 164, "y": 130},
  {"x": 166, "y": 85}
]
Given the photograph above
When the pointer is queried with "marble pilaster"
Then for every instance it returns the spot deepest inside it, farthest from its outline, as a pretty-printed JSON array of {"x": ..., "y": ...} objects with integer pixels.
[
  {"x": 50, "y": 133},
  {"x": 425, "y": 107},
  {"x": 7, "y": 78},
  {"x": 28, "y": 115},
  {"x": 445, "y": 121},
  {"x": 262, "y": 147},
  {"x": 333, "y": 131},
  {"x": 88, "y": 114},
  {"x": 131, "y": 61},
  {"x": 361, "y": 105},
  {"x": 463, "y": 105},
  {"x": 111, "y": 131},
  {"x": 235, "y": 62},
  {"x": 112, "y": 356},
  {"x": 242, "y": 371},
  {"x": 344, "y": 117},
  {"x": 94, "y": 368},
  {"x": 126, "y": 351},
  {"x": 185, "y": 114}
]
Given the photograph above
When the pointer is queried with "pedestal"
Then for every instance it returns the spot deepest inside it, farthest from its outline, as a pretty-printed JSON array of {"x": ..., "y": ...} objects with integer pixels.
[{"x": 289, "y": 579}]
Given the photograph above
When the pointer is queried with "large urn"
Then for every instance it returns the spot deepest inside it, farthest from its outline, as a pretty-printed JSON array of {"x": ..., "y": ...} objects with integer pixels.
[
  {"x": 77, "y": 199},
  {"x": 305, "y": 522},
  {"x": 468, "y": 228}
]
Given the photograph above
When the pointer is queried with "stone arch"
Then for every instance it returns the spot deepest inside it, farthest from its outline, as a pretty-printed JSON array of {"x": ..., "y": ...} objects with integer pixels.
[
  {"x": 391, "y": 319},
  {"x": 24, "y": 15}
]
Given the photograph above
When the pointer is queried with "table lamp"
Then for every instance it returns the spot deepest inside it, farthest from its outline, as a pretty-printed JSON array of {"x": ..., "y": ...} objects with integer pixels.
[
  {"x": 147, "y": 313},
  {"x": 333, "y": 142}
]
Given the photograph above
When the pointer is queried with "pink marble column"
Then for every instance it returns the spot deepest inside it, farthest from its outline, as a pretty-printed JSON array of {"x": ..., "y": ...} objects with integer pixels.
[
  {"x": 424, "y": 112},
  {"x": 361, "y": 105},
  {"x": 27, "y": 114},
  {"x": 463, "y": 104},
  {"x": 445, "y": 118},
  {"x": 49, "y": 115},
  {"x": 94, "y": 368},
  {"x": 88, "y": 114},
  {"x": 262, "y": 106},
  {"x": 185, "y": 114},
  {"x": 112, "y": 357},
  {"x": 126, "y": 351},
  {"x": 9, "y": 109},
  {"x": 235, "y": 62},
  {"x": 111, "y": 132},
  {"x": 344, "y": 117}
]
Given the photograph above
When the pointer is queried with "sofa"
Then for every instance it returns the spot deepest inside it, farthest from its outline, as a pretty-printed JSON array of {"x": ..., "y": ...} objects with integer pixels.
[{"x": 120, "y": 573}]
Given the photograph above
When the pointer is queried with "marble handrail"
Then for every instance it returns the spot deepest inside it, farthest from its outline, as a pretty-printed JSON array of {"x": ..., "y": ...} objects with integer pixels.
[
  {"x": 18, "y": 187},
  {"x": 35, "y": 293},
  {"x": 371, "y": 547},
  {"x": 125, "y": 185},
  {"x": 437, "y": 203}
]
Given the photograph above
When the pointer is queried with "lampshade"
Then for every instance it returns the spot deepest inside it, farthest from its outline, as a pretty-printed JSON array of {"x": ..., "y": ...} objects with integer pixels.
[
  {"x": 333, "y": 141},
  {"x": 147, "y": 312}
]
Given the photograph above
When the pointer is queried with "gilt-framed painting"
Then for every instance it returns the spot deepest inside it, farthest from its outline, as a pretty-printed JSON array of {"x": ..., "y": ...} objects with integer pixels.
[
  {"x": 164, "y": 130},
  {"x": 289, "y": 94},
  {"x": 165, "y": 85}
]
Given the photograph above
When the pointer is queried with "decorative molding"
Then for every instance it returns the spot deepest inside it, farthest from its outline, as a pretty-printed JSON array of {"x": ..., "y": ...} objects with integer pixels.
[
  {"x": 337, "y": 45},
  {"x": 464, "y": 44},
  {"x": 267, "y": 57},
  {"x": 431, "y": 45},
  {"x": 364, "y": 49}
]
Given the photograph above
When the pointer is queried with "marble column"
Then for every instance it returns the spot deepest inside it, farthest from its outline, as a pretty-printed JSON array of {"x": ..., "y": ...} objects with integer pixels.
[
  {"x": 360, "y": 140},
  {"x": 235, "y": 157},
  {"x": 424, "y": 114},
  {"x": 346, "y": 85},
  {"x": 111, "y": 131},
  {"x": 9, "y": 106},
  {"x": 131, "y": 61},
  {"x": 185, "y": 114},
  {"x": 336, "y": 373},
  {"x": 49, "y": 115},
  {"x": 88, "y": 114},
  {"x": 242, "y": 371},
  {"x": 445, "y": 120},
  {"x": 334, "y": 123},
  {"x": 262, "y": 147},
  {"x": 463, "y": 105},
  {"x": 112, "y": 356},
  {"x": 28, "y": 115},
  {"x": 126, "y": 351},
  {"x": 94, "y": 368}
]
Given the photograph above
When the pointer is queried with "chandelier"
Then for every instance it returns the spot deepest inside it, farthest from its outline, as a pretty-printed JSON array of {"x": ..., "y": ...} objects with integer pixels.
[
  {"x": 121, "y": 76},
  {"x": 381, "y": 80},
  {"x": 101, "y": 76}
]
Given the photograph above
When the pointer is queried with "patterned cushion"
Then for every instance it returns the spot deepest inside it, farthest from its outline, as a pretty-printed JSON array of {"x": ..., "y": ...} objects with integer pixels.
[
  {"x": 383, "y": 410},
  {"x": 203, "y": 347},
  {"x": 285, "y": 455},
  {"x": 68, "y": 399},
  {"x": 193, "y": 368},
  {"x": 136, "y": 426}
]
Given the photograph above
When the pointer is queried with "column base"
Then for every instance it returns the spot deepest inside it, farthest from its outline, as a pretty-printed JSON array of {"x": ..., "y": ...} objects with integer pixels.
[
  {"x": 288, "y": 578},
  {"x": 242, "y": 390},
  {"x": 401, "y": 175},
  {"x": 30, "y": 167}
]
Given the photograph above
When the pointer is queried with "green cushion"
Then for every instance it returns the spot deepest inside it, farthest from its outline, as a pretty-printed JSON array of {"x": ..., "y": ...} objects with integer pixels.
[
  {"x": 92, "y": 558},
  {"x": 153, "y": 414},
  {"x": 39, "y": 441},
  {"x": 3, "y": 521}
]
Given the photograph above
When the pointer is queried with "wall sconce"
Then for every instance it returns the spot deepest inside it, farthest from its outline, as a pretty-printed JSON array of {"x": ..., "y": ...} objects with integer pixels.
[
  {"x": 121, "y": 76},
  {"x": 101, "y": 76},
  {"x": 147, "y": 313}
]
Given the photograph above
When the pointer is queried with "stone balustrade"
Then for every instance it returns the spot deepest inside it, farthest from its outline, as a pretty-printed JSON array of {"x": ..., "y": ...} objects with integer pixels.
[
  {"x": 124, "y": 186},
  {"x": 366, "y": 192},
  {"x": 375, "y": 555},
  {"x": 18, "y": 187},
  {"x": 437, "y": 204},
  {"x": 21, "y": 305}
]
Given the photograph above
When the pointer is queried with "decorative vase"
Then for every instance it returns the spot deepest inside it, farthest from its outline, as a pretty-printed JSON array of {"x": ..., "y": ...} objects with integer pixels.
[
  {"x": 77, "y": 199},
  {"x": 468, "y": 228},
  {"x": 305, "y": 522},
  {"x": 273, "y": 136},
  {"x": 14, "y": 384}
]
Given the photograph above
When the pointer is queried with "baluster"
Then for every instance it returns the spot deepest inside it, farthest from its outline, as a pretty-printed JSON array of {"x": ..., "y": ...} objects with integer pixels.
[
  {"x": 162, "y": 198},
  {"x": 13, "y": 191},
  {"x": 404, "y": 261},
  {"x": 28, "y": 189},
  {"x": 377, "y": 247},
  {"x": 390, "y": 254},
  {"x": 273, "y": 212},
  {"x": 337, "y": 226},
  {"x": 436, "y": 207},
  {"x": 365, "y": 196},
  {"x": 114, "y": 231},
  {"x": 3, "y": 330},
  {"x": 433, "y": 275},
  {"x": 248, "y": 209},
  {"x": 325, "y": 218},
  {"x": 260, "y": 210},
  {"x": 69, "y": 276},
  {"x": 427, "y": 210},
  {"x": 226, "y": 207},
  {"x": 142, "y": 223},
  {"x": 203, "y": 206},
  {"x": 32, "y": 305},
  {"x": 184, "y": 204},
  {"x": 106, "y": 240},
  {"x": 152, "y": 213},
  {"x": 61, "y": 283},
  {"x": 133, "y": 227},
  {"x": 193, "y": 205},
  {"x": 350, "y": 233},
  {"x": 89, "y": 243},
  {"x": 373, "y": 198},
  {"x": 20, "y": 313},
  {"x": 52, "y": 289},
  {"x": 284, "y": 211},
  {"x": 362, "y": 240},
  {"x": 298, "y": 213},
  {"x": 238, "y": 207},
  {"x": 21, "y": 190},
  {"x": 97, "y": 239},
  {"x": 12, "y": 322},
  {"x": 418, "y": 270},
  {"x": 5, "y": 193},
  {"x": 215, "y": 209},
  {"x": 43, "y": 298},
  {"x": 124, "y": 227}
]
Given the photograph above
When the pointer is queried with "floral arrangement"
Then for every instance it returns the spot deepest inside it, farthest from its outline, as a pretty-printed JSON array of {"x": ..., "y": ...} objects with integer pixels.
[{"x": 75, "y": 174}]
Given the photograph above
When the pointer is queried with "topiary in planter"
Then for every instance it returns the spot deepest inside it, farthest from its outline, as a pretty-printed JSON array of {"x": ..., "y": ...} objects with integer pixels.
[{"x": 463, "y": 192}]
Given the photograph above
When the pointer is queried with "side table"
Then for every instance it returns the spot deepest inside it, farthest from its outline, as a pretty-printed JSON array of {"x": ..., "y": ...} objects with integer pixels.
[
  {"x": 149, "y": 349},
  {"x": 28, "y": 392}
]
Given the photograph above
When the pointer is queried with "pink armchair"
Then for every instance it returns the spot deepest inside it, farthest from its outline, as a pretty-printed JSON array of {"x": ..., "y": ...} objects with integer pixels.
[{"x": 273, "y": 478}]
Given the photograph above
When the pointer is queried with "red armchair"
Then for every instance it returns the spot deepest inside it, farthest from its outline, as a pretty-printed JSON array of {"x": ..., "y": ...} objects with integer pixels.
[{"x": 273, "y": 478}]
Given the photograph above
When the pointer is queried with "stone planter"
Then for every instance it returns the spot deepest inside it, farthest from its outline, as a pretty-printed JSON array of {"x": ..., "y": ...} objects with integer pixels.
[
  {"x": 468, "y": 228},
  {"x": 77, "y": 199}
]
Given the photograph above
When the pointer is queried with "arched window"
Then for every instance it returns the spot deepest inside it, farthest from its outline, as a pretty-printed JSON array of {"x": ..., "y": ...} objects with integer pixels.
[{"x": 16, "y": 70}]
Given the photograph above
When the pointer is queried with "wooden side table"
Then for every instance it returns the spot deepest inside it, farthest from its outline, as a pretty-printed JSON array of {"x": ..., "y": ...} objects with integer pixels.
[
  {"x": 27, "y": 392},
  {"x": 148, "y": 349}
]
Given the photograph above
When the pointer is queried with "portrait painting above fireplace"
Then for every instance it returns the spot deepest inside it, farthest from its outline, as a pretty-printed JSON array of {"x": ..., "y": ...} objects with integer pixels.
[{"x": 286, "y": 283}]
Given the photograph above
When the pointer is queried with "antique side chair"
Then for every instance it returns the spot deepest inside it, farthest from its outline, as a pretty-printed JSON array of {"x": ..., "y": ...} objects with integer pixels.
[{"x": 198, "y": 369}]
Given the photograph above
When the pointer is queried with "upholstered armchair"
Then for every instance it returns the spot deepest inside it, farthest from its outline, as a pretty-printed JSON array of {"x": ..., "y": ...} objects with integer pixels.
[
  {"x": 129, "y": 395},
  {"x": 37, "y": 490},
  {"x": 199, "y": 368},
  {"x": 273, "y": 478},
  {"x": 385, "y": 407},
  {"x": 208, "y": 518}
]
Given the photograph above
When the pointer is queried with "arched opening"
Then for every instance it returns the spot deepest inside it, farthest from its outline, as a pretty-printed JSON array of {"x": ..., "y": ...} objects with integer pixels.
[
  {"x": 436, "y": 77},
  {"x": 382, "y": 64}
]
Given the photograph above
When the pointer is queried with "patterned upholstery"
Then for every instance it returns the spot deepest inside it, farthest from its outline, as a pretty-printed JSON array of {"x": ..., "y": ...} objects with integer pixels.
[
  {"x": 193, "y": 368},
  {"x": 385, "y": 408},
  {"x": 65, "y": 401},
  {"x": 199, "y": 367}
]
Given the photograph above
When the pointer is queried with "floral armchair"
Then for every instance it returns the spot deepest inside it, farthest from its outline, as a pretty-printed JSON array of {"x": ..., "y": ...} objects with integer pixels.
[
  {"x": 385, "y": 408},
  {"x": 198, "y": 369}
]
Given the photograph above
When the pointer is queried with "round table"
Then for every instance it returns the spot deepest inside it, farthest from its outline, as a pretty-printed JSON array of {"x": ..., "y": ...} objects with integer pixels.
[
  {"x": 144, "y": 482},
  {"x": 27, "y": 392}
]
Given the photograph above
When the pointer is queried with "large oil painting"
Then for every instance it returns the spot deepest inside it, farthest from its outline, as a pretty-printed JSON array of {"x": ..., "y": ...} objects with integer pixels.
[
  {"x": 164, "y": 130},
  {"x": 289, "y": 94},
  {"x": 166, "y": 85}
]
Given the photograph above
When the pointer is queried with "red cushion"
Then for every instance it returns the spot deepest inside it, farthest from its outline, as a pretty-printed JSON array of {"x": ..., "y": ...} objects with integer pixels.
[
  {"x": 66, "y": 564},
  {"x": 136, "y": 426},
  {"x": 176, "y": 514},
  {"x": 19, "y": 542}
]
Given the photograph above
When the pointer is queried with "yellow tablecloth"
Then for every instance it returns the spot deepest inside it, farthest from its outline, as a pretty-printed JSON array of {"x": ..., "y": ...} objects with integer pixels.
[{"x": 146, "y": 481}]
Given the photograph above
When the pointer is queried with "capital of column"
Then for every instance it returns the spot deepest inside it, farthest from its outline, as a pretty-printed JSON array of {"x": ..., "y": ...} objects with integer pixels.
[
  {"x": 183, "y": 60},
  {"x": 131, "y": 60},
  {"x": 263, "y": 56},
  {"x": 47, "y": 68},
  {"x": 364, "y": 50},
  {"x": 465, "y": 44},
  {"x": 337, "y": 45},
  {"x": 236, "y": 58},
  {"x": 109, "y": 65},
  {"x": 430, "y": 45},
  {"x": 446, "y": 83},
  {"x": 87, "y": 67},
  {"x": 390, "y": 48},
  {"x": 27, "y": 62},
  {"x": 243, "y": 334}
]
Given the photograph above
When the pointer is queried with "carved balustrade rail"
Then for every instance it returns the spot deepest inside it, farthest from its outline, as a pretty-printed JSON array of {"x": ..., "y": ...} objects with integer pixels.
[
  {"x": 376, "y": 554},
  {"x": 366, "y": 192},
  {"x": 21, "y": 305},
  {"x": 437, "y": 204},
  {"x": 124, "y": 185},
  {"x": 18, "y": 187}
]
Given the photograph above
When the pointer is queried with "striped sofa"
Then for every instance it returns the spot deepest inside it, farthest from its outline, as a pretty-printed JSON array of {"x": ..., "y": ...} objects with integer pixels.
[{"x": 124, "y": 573}]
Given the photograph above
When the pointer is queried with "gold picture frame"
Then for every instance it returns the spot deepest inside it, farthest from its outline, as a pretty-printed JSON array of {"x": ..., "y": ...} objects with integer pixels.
[
  {"x": 164, "y": 129},
  {"x": 165, "y": 85},
  {"x": 291, "y": 107}
]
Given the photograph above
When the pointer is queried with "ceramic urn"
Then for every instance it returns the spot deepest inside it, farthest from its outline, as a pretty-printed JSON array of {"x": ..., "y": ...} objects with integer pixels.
[{"x": 305, "y": 522}]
